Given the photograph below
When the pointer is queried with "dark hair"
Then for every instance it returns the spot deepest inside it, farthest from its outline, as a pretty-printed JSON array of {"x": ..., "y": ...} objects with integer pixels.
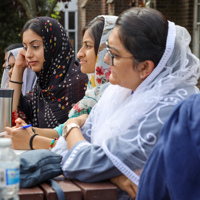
[
  {"x": 34, "y": 25},
  {"x": 95, "y": 28},
  {"x": 143, "y": 32},
  {"x": 13, "y": 46},
  {"x": 11, "y": 54}
]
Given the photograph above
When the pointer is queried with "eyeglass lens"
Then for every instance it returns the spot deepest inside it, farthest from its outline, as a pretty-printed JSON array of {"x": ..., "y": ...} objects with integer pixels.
[{"x": 110, "y": 54}]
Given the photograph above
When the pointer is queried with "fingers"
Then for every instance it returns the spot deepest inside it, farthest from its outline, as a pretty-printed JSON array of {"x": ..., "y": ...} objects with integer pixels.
[
  {"x": 129, "y": 187},
  {"x": 8, "y": 136},
  {"x": 9, "y": 130},
  {"x": 22, "y": 52},
  {"x": 131, "y": 192},
  {"x": 20, "y": 122},
  {"x": 21, "y": 59},
  {"x": 135, "y": 187}
]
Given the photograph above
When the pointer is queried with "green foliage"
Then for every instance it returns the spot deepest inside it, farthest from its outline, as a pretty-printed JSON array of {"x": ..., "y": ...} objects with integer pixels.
[
  {"x": 12, "y": 19},
  {"x": 55, "y": 15}
]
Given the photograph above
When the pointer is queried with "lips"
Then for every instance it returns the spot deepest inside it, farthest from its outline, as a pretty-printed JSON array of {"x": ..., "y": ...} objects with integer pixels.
[
  {"x": 83, "y": 61},
  {"x": 31, "y": 63}
]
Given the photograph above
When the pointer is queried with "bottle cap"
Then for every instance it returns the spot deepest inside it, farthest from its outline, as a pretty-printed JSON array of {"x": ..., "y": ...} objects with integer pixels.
[{"x": 5, "y": 142}]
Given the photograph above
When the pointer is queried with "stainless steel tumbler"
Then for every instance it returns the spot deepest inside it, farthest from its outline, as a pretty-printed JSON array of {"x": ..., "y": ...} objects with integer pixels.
[{"x": 6, "y": 100}]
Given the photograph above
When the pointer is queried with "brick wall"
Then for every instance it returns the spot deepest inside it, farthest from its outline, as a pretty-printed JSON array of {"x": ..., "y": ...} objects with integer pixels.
[
  {"x": 104, "y": 8},
  {"x": 91, "y": 9},
  {"x": 179, "y": 11},
  {"x": 120, "y": 6}
]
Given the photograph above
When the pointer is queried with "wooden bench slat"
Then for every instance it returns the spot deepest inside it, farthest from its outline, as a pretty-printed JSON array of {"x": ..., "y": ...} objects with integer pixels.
[
  {"x": 31, "y": 193},
  {"x": 72, "y": 192},
  {"x": 98, "y": 191}
]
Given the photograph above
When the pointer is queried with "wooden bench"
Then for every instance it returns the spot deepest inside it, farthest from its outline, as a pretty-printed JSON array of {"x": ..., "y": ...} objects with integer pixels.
[{"x": 74, "y": 190}]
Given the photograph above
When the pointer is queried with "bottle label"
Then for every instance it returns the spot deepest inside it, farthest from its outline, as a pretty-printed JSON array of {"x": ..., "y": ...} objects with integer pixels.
[{"x": 9, "y": 176}]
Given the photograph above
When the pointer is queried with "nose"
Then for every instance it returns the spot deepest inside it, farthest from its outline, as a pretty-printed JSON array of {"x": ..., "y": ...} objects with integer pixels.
[
  {"x": 4, "y": 64},
  {"x": 81, "y": 53},
  {"x": 106, "y": 58},
  {"x": 29, "y": 53}
]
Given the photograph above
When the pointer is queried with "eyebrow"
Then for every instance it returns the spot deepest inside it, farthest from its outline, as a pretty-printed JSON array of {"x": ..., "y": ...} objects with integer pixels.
[
  {"x": 113, "y": 48},
  {"x": 32, "y": 41},
  {"x": 87, "y": 41}
]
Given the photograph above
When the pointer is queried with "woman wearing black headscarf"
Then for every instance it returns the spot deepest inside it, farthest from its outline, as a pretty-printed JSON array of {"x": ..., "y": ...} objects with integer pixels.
[{"x": 60, "y": 84}]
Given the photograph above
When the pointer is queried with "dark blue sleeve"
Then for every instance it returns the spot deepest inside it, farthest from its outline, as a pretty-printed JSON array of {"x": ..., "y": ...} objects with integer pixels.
[{"x": 172, "y": 170}]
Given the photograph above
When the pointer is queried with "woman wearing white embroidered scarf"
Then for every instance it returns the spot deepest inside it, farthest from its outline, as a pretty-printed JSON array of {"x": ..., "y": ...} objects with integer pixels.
[
  {"x": 29, "y": 76},
  {"x": 152, "y": 69}
]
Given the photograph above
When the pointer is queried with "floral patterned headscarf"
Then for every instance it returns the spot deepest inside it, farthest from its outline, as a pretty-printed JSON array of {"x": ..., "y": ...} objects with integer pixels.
[
  {"x": 60, "y": 82},
  {"x": 98, "y": 81}
]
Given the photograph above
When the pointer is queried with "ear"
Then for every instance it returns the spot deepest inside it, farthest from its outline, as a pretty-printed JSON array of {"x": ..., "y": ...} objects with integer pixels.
[{"x": 146, "y": 68}]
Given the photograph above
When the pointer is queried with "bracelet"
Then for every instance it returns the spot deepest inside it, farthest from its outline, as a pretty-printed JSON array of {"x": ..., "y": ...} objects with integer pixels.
[
  {"x": 31, "y": 141},
  {"x": 52, "y": 142},
  {"x": 16, "y": 82}
]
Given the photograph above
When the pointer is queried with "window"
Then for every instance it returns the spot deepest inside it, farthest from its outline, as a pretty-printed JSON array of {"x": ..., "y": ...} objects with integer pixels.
[
  {"x": 71, "y": 21},
  {"x": 196, "y": 27}
]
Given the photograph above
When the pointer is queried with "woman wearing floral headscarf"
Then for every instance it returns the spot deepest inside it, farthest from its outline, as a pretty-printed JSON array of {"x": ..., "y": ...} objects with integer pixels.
[
  {"x": 91, "y": 56},
  {"x": 60, "y": 83}
]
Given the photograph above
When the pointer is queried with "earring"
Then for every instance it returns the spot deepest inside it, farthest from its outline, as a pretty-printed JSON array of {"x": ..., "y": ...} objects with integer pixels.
[{"x": 141, "y": 77}]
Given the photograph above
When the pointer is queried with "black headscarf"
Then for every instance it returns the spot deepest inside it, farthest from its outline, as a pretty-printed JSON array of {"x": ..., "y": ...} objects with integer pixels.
[{"x": 60, "y": 83}]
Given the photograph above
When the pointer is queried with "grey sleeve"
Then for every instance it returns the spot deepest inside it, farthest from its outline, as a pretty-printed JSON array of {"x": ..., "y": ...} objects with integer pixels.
[{"x": 88, "y": 163}]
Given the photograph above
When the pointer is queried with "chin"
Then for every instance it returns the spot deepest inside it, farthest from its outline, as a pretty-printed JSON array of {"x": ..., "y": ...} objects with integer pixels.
[
  {"x": 112, "y": 80},
  {"x": 83, "y": 70},
  {"x": 36, "y": 69}
]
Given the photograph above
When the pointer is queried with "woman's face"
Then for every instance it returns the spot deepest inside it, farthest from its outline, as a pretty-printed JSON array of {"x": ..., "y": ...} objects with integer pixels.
[
  {"x": 33, "y": 45},
  {"x": 11, "y": 63},
  {"x": 122, "y": 71},
  {"x": 87, "y": 54}
]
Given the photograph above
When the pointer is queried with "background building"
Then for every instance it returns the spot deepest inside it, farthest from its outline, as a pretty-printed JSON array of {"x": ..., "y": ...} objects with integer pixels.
[{"x": 183, "y": 12}]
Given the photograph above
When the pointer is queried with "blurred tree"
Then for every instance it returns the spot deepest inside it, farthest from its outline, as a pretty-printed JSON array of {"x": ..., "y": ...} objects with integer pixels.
[
  {"x": 12, "y": 19},
  {"x": 38, "y": 7},
  {"x": 14, "y": 14}
]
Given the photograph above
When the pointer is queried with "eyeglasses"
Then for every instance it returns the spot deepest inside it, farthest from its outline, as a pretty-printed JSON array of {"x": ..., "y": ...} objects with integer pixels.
[
  {"x": 113, "y": 56},
  {"x": 9, "y": 67}
]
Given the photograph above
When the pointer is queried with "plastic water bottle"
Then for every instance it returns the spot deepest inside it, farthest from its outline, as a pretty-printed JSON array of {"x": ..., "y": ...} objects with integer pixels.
[{"x": 9, "y": 171}]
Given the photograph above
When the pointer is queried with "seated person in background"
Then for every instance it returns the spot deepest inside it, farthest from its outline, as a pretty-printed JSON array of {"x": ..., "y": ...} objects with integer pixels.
[
  {"x": 150, "y": 74},
  {"x": 5, "y": 77},
  {"x": 60, "y": 83},
  {"x": 29, "y": 76},
  {"x": 29, "y": 80},
  {"x": 172, "y": 169}
]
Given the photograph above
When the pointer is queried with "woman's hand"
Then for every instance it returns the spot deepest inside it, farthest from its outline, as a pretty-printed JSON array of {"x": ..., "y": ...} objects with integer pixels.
[
  {"x": 75, "y": 134},
  {"x": 125, "y": 184},
  {"x": 20, "y": 138},
  {"x": 21, "y": 62},
  {"x": 20, "y": 122},
  {"x": 80, "y": 120}
]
